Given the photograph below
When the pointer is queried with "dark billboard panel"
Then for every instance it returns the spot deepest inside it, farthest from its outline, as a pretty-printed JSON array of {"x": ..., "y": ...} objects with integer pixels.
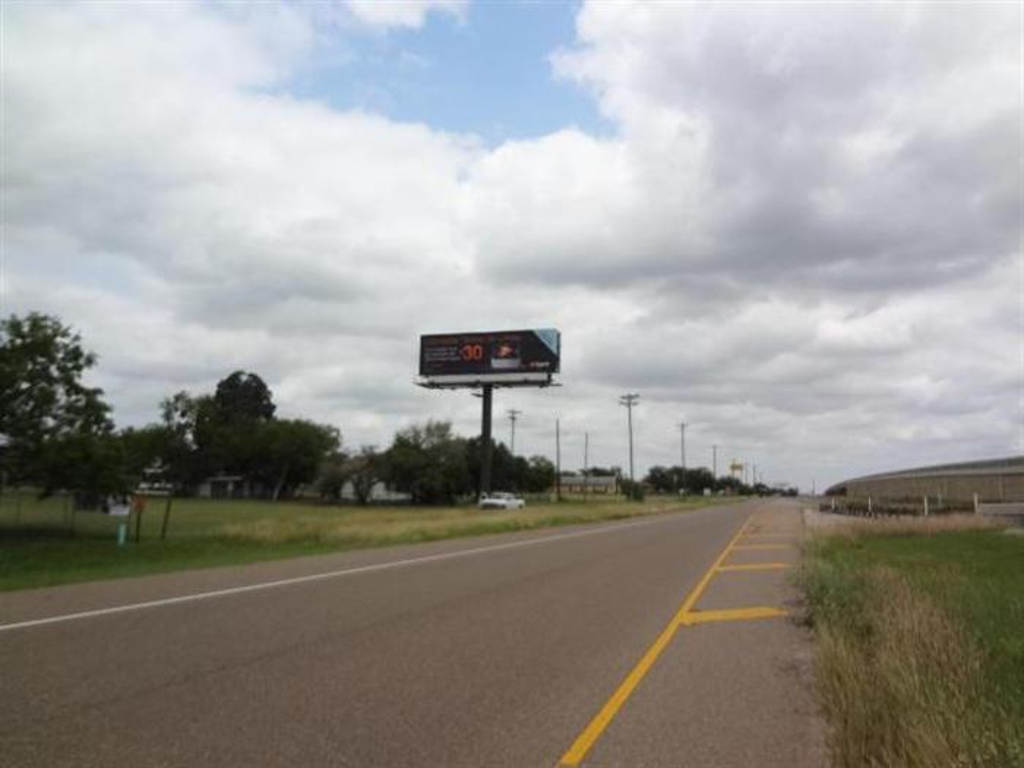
[{"x": 533, "y": 354}]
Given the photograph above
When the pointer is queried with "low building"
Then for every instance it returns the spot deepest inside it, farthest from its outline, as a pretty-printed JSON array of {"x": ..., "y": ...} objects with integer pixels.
[
  {"x": 587, "y": 484},
  {"x": 996, "y": 481},
  {"x": 231, "y": 487},
  {"x": 380, "y": 493}
]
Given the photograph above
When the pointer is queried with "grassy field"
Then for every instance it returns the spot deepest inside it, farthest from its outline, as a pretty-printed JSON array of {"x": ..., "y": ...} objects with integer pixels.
[
  {"x": 39, "y": 548},
  {"x": 919, "y": 634}
]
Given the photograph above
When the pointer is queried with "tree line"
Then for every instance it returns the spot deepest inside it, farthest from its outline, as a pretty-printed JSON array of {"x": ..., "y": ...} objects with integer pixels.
[
  {"x": 59, "y": 435},
  {"x": 693, "y": 481}
]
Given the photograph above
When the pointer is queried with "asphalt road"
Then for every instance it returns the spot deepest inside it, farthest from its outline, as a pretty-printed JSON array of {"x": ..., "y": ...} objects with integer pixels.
[{"x": 487, "y": 652}]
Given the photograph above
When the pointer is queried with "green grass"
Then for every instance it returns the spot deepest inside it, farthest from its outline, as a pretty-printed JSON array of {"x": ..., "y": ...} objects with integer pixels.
[
  {"x": 920, "y": 645},
  {"x": 38, "y": 547}
]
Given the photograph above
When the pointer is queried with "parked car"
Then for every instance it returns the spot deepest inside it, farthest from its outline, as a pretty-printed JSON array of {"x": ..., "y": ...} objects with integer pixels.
[{"x": 500, "y": 500}]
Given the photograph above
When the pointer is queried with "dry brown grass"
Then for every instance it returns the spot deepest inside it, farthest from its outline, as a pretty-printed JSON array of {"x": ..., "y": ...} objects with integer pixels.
[
  {"x": 375, "y": 526},
  {"x": 909, "y": 526}
]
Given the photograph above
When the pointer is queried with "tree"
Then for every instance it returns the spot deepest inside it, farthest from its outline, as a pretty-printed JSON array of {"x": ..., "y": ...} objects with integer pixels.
[
  {"x": 506, "y": 470},
  {"x": 663, "y": 479},
  {"x": 91, "y": 466},
  {"x": 191, "y": 452},
  {"x": 287, "y": 453},
  {"x": 51, "y": 419},
  {"x": 235, "y": 431},
  {"x": 429, "y": 463},
  {"x": 243, "y": 397},
  {"x": 333, "y": 475},
  {"x": 731, "y": 484},
  {"x": 364, "y": 470},
  {"x": 540, "y": 475},
  {"x": 144, "y": 448},
  {"x": 696, "y": 480},
  {"x": 632, "y": 489}
]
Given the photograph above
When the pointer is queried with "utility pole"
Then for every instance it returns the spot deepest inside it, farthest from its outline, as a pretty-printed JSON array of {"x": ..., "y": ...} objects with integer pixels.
[
  {"x": 682, "y": 444},
  {"x": 586, "y": 461},
  {"x": 629, "y": 400},
  {"x": 714, "y": 461},
  {"x": 513, "y": 416}
]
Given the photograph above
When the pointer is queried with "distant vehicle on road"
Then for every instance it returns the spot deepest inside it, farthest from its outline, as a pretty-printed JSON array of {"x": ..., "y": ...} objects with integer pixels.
[{"x": 500, "y": 500}]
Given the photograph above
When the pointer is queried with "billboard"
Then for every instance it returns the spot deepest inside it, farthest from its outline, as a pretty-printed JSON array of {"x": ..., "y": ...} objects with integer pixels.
[{"x": 499, "y": 357}]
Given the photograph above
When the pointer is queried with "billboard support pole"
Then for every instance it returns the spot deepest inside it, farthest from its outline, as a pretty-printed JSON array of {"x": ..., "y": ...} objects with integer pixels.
[
  {"x": 558, "y": 462},
  {"x": 485, "y": 439}
]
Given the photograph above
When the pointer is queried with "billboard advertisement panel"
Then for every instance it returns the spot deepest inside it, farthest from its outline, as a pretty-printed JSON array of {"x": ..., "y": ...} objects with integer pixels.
[{"x": 499, "y": 356}]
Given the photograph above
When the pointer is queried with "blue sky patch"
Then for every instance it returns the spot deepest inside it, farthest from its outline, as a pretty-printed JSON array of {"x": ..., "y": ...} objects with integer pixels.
[{"x": 489, "y": 74}]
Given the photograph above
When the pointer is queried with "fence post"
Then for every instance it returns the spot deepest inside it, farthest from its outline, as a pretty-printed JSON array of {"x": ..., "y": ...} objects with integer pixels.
[
  {"x": 977, "y": 505},
  {"x": 926, "y": 505},
  {"x": 167, "y": 515},
  {"x": 869, "y": 505}
]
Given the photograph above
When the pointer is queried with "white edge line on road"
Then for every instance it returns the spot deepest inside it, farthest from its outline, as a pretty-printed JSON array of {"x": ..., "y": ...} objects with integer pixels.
[{"x": 323, "y": 576}]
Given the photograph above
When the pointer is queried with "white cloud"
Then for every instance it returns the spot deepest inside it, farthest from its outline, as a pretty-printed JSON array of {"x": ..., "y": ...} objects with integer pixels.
[
  {"x": 793, "y": 240},
  {"x": 403, "y": 13}
]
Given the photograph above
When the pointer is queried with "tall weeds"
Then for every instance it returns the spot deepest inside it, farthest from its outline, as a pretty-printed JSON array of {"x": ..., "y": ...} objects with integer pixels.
[
  {"x": 909, "y": 526},
  {"x": 902, "y": 684}
]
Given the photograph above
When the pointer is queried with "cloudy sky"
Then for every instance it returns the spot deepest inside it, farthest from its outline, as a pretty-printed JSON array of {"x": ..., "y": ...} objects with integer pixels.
[{"x": 795, "y": 227}]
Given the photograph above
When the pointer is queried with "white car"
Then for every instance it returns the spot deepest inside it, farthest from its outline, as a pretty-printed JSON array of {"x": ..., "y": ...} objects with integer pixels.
[{"x": 501, "y": 500}]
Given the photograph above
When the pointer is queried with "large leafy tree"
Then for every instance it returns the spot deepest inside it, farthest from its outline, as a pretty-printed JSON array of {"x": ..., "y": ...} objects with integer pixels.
[
  {"x": 539, "y": 476},
  {"x": 429, "y": 463},
  {"x": 234, "y": 431},
  {"x": 289, "y": 452},
  {"x": 333, "y": 474},
  {"x": 507, "y": 471},
  {"x": 57, "y": 427},
  {"x": 365, "y": 470},
  {"x": 243, "y": 397},
  {"x": 190, "y": 452}
]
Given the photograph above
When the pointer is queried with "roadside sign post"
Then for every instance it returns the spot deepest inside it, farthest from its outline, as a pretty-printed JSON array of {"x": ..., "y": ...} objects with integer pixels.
[{"x": 167, "y": 514}]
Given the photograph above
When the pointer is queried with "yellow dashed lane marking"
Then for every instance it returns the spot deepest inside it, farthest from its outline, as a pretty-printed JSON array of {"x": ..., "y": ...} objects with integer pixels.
[
  {"x": 597, "y": 726},
  {"x": 754, "y": 567},
  {"x": 732, "y": 614},
  {"x": 687, "y": 615}
]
